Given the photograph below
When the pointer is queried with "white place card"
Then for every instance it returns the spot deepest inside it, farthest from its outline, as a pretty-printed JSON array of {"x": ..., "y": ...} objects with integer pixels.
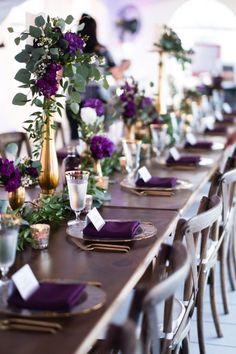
[
  {"x": 174, "y": 153},
  {"x": 96, "y": 219},
  {"x": 191, "y": 139},
  {"x": 144, "y": 174},
  {"x": 25, "y": 281}
]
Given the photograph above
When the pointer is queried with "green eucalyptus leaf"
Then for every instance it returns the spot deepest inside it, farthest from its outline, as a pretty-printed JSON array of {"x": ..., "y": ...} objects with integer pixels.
[
  {"x": 63, "y": 43},
  {"x": 105, "y": 83},
  {"x": 35, "y": 32},
  {"x": 74, "y": 107},
  {"x": 80, "y": 27},
  {"x": 37, "y": 53},
  {"x": 60, "y": 23},
  {"x": 12, "y": 148},
  {"x": 17, "y": 40},
  {"x": 24, "y": 36},
  {"x": 10, "y": 29},
  {"x": 22, "y": 57},
  {"x": 29, "y": 48},
  {"x": 54, "y": 51},
  {"x": 19, "y": 99},
  {"x": 69, "y": 19},
  {"x": 39, "y": 21},
  {"x": 23, "y": 75},
  {"x": 75, "y": 96}
]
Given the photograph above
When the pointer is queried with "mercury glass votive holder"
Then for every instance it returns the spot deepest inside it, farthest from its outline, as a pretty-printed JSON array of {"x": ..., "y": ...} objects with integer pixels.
[{"x": 40, "y": 235}]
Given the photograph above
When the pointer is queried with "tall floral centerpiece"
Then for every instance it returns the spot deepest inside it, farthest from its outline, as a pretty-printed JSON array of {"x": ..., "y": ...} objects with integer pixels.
[
  {"x": 132, "y": 105},
  {"x": 169, "y": 43},
  {"x": 100, "y": 147},
  {"x": 53, "y": 61}
]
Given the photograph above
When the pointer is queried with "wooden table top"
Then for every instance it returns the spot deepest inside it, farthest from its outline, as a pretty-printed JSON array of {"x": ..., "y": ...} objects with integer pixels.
[
  {"x": 182, "y": 198},
  {"x": 118, "y": 273}
]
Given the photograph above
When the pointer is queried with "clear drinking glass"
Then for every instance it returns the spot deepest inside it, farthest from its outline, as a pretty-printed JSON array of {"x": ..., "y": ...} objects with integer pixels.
[
  {"x": 132, "y": 149},
  {"x": 9, "y": 229},
  {"x": 159, "y": 136},
  {"x": 77, "y": 182}
]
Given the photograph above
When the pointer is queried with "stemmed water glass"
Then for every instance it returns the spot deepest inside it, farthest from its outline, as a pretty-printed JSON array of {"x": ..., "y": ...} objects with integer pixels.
[
  {"x": 77, "y": 182},
  {"x": 159, "y": 135},
  {"x": 9, "y": 229},
  {"x": 132, "y": 149}
]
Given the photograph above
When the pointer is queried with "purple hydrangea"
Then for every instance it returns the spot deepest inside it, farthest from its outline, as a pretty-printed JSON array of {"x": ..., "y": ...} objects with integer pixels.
[
  {"x": 75, "y": 42},
  {"x": 145, "y": 102},
  {"x": 48, "y": 83},
  {"x": 96, "y": 104},
  {"x": 9, "y": 175},
  {"x": 101, "y": 147}
]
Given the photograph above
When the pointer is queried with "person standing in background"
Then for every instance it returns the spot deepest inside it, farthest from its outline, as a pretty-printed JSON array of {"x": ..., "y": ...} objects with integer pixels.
[{"x": 94, "y": 89}]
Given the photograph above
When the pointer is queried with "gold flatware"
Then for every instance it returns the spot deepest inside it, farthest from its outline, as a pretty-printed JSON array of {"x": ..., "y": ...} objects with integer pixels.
[
  {"x": 152, "y": 193},
  {"x": 108, "y": 245},
  {"x": 98, "y": 247},
  {"x": 24, "y": 327},
  {"x": 25, "y": 321},
  {"x": 182, "y": 167}
]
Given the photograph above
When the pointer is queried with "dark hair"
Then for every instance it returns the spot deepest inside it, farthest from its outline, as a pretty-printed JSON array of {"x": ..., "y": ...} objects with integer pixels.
[{"x": 90, "y": 31}]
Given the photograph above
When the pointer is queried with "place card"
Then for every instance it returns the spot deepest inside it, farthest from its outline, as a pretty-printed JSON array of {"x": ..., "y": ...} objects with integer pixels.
[
  {"x": 96, "y": 219},
  {"x": 144, "y": 174},
  {"x": 25, "y": 281},
  {"x": 191, "y": 139},
  {"x": 174, "y": 153}
]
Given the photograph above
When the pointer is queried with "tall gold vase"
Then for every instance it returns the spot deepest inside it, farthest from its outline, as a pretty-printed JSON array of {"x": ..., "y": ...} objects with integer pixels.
[
  {"x": 160, "y": 104},
  {"x": 49, "y": 175}
]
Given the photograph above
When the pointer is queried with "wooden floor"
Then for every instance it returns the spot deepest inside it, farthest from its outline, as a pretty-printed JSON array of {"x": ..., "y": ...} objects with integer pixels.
[{"x": 214, "y": 345}]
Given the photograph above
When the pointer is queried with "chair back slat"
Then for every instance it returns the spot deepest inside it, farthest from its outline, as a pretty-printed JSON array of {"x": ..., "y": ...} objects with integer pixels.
[{"x": 19, "y": 138}]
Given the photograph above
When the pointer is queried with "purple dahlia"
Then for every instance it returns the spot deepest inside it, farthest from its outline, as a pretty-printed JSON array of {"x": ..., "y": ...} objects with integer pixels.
[
  {"x": 101, "y": 147},
  {"x": 9, "y": 175},
  {"x": 75, "y": 42},
  {"x": 96, "y": 104},
  {"x": 48, "y": 83}
]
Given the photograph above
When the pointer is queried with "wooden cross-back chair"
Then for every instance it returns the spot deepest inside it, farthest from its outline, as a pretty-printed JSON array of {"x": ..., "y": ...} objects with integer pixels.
[{"x": 19, "y": 138}]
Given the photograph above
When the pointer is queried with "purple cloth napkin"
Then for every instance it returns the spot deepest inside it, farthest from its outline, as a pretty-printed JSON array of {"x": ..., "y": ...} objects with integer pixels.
[
  {"x": 226, "y": 120},
  {"x": 199, "y": 145},
  {"x": 220, "y": 130},
  {"x": 113, "y": 229},
  {"x": 164, "y": 182},
  {"x": 49, "y": 296},
  {"x": 184, "y": 160}
]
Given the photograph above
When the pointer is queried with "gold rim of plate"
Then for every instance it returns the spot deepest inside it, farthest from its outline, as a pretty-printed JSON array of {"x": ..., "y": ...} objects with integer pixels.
[
  {"x": 181, "y": 184},
  {"x": 147, "y": 230},
  {"x": 94, "y": 300}
]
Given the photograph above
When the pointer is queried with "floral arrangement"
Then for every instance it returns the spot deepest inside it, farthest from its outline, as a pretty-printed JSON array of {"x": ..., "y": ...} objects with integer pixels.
[
  {"x": 53, "y": 60},
  {"x": 132, "y": 104},
  {"x": 171, "y": 43},
  {"x": 23, "y": 174},
  {"x": 101, "y": 147}
]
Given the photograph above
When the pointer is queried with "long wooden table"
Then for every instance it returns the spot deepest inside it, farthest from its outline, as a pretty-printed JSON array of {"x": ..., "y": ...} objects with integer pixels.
[{"x": 118, "y": 273}]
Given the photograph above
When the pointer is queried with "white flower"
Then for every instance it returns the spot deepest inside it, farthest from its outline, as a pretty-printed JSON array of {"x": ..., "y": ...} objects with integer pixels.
[{"x": 88, "y": 115}]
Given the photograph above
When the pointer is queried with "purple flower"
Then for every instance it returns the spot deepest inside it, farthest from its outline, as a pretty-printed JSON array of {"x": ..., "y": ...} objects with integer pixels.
[
  {"x": 101, "y": 147},
  {"x": 75, "y": 42},
  {"x": 129, "y": 109},
  {"x": 9, "y": 175},
  {"x": 145, "y": 102},
  {"x": 48, "y": 83},
  {"x": 32, "y": 171},
  {"x": 96, "y": 104}
]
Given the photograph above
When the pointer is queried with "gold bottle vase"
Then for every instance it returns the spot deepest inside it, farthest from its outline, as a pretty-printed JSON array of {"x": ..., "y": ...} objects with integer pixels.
[
  {"x": 129, "y": 131},
  {"x": 49, "y": 175},
  {"x": 97, "y": 168},
  {"x": 17, "y": 198}
]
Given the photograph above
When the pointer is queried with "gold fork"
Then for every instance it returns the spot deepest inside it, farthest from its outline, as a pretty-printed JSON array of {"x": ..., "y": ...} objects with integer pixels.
[{"x": 98, "y": 247}]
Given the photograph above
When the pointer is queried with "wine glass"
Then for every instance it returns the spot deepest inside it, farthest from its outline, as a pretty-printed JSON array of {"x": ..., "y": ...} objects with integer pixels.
[
  {"x": 77, "y": 182},
  {"x": 9, "y": 229},
  {"x": 159, "y": 135},
  {"x": 132, "y": 149}
]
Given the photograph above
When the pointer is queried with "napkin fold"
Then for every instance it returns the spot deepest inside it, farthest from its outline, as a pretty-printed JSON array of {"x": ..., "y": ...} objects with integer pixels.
[
  {"x": 229, "y": 120},
  {"x": 49, "y": 297},
  {"x": 113, "y": 229},
  {"x": 165, "y": 182},
  {"x": 199, "y": 145},
  {"x": 184, "y": 160},
  {"x": 215, "y": 130}
]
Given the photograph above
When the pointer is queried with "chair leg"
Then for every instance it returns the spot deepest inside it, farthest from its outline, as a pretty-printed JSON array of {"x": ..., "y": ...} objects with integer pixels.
[
  {"x": 231, "y": 271},
  {"x": 213, "y": 303},
  {"x": 200, "y": 329},
  {"x": 185, "y": 346},
  {"x": 222, "y": 259}
]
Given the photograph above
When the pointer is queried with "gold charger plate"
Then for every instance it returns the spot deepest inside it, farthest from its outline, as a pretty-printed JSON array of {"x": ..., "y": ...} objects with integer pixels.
[
  {"x": 145, "y": 230},
  {"x": 204, "y": 161},
  {"x": 215, "y": 147},
  {"x": 130, "y": 184},
  {"x": 92, "y": 299}
]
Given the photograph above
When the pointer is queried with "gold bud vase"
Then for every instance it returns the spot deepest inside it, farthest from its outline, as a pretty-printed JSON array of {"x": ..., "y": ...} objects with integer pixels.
[
  {"x": 49, "y": 175},
  {"x": 97, "y": 168},
  {"x": 17, "y": 198},
  {"x": 129, "y": 131}
]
